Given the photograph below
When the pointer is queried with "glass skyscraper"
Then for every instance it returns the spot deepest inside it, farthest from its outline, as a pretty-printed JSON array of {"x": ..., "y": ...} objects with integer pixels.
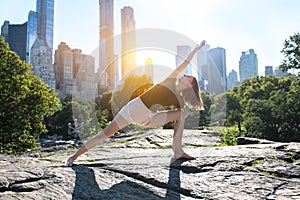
[
  {"x": 248, "y": 65},
  {"x": 15, "y": 36},
  {"x": 106, "y": 45},
  {"x": 45, "y": 16},
  {"x": 31, "y": 33}
]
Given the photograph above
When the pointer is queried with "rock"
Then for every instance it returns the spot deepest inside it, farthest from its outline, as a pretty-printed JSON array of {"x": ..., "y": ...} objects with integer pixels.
[
  {"x": 249, "y": 140},
  {"x": 117, "y": 170}
]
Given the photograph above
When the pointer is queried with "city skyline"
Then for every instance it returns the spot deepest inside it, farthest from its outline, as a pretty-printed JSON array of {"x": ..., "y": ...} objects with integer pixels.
[{"x": 236, "y": 26}]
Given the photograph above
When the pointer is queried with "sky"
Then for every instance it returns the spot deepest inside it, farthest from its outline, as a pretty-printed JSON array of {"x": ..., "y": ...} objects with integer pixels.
[{"x": 236, "y": 25}]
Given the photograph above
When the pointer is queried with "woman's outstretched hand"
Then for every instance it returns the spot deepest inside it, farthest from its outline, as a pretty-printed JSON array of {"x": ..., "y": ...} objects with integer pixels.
[{"x": 201, "y": 45}]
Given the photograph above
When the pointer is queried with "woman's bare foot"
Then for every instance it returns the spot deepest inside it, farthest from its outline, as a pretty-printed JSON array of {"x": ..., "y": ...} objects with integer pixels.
[
  {"x": 69, "y": 161},
  {"x": 184, "y": 156}
]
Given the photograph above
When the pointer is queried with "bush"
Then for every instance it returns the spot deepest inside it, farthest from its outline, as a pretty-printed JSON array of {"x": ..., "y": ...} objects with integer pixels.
[{"x": 229, "y": 134}]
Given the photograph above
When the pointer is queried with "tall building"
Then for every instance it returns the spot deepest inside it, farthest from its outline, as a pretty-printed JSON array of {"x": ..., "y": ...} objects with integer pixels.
[
  {"x": 41, "y": 59},
  {"x": 41, "y": 51},
  {"x": 202, "y": 67},
  {"x": 269, "y": 70},
  {"x": 128, "y": 58},
  {"x": 279, "y": 73},
  {"x": 182, "y": 53},
  {"x": 106, "y": 45},
  {"x": 74, "y": 72},
  {"x": 149, "y": 68},
  {"x": 32, "y": 26},
  {"x": 217, "y": 83},
  {"x": 232, "y": 79},
  {"x": 16, "y": 36},
  {"x": 45, "y": 17},
  {"x": 248, "y": 65},
  {"x": 63, "y": 67},
  {"x": 35, "y": 37}
]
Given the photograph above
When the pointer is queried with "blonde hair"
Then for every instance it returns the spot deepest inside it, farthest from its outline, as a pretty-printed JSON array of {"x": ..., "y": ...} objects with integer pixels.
[{"x": 191, "y": 96}]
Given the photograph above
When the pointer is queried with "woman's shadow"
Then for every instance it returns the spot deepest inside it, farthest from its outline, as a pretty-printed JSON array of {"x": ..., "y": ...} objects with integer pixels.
[{"x": 86, "y": 186}]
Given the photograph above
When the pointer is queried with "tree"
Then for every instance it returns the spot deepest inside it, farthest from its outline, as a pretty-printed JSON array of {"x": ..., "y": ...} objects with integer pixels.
[
  {"x": 25, "y": 100},
  {"x": 103, "y": 105},
  {"x": 73, "y": 108},
  {"x": 291, "y": 52},
  {"x": 271, "y": 108},
  {"x": 234, "y": 110}
]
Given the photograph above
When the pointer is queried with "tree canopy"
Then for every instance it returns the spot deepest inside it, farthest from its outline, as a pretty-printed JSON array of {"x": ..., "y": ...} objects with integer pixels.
[
  {"x": 291, "y": 52},
  {"x": 25, "y": 100},
  {"x": 269, "y": 107}
]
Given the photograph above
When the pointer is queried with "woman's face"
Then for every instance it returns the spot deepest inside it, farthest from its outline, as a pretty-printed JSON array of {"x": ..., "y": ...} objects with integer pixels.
[{"x": 186, "y": 80}]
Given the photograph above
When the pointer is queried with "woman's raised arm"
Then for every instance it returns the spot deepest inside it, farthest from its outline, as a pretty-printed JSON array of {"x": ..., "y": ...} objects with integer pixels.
[{"x": 184, "y": 64}]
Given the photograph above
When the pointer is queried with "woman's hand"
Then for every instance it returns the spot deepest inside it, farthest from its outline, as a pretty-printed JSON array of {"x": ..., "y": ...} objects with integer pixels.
[{"x": 201, "y": 45}]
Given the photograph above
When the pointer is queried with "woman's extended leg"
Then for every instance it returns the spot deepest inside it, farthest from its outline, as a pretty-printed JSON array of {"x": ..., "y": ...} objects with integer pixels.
[
  {"x": 177, "y": 116},
  {"x": 112, "y": 128}
]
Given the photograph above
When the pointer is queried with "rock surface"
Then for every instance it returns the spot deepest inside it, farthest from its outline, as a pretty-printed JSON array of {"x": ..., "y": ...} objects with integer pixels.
[{"x": 139, "y": 165}]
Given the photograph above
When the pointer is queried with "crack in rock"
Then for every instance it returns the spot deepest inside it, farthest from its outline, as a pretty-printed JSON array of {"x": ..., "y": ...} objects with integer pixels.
[{"x": 26, "y": 185}]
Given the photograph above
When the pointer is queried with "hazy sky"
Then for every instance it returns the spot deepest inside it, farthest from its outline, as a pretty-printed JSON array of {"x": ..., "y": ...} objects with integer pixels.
[{"x": 236, "y": 25}]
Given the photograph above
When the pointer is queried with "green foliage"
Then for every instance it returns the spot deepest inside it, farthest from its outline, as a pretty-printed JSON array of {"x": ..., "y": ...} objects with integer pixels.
[
  {"x": 229, "y": 136},
  {"x": 268, "y": 107},
  {"x": 291, "y": 52},
  {"x": 218, "y": 110},
  {"x": 25, "y": 100},
  {"x": 102, "y": 116},
  {"x": 205, "y": 114},
  {"x": 198, "y": 119},
  {"x": 234, "y": 110},
  {"x": 103, "y": 103},
  {"x": 74, "y": 108}
]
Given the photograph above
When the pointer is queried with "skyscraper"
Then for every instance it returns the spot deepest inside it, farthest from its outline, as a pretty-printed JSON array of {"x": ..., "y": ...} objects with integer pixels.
[
  {"x": 202, "y": 68},
  {"x": 248, "y": 65},
  {"x": 269, "y": 70},
  {"x": 74, "y": 72},
  {"x": 41, "y": 59},
  {"x": 128, "y": 58},
  {"x": 232, "y": 79},
  {"x": 35, "y": 37},
  {"x": 45, "y": 16},
  {"x": 217, "y": 67},
  {"x": 31, "y": 32},
  {"x": 63, "y": 59},
  {"x": 16, "y": 36},
  {"x": 182, "y": 53},
  {"x": 279, "y": 73},
  {"x": 149, "y": 68},
  {"x": 41, "y": 52},
  {"x": 106, "y": 44}
]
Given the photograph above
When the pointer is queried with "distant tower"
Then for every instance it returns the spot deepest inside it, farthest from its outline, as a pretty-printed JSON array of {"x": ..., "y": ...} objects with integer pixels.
[
  {"x": 15, "y": 36},
  {"x": 63, "y": 65},
  {"x": 32, "y": 26},
  {"x": 202, "y": 68},
  {"x": 149, "y": 68},
  {"x": 269, "y": 70},
  {"x": 41, "y": 57},
  {"x": 182, "y": 53},
  {"x": 106, "y": 44},
  {"x": 45, "y": 16},
  {"x": 248, "y": 65},
  {"x": 217, "y": 59},
  {"x": 279, "y": 73},
  {"x": 128, "y": 40},
  {"x": 232, "y": 79}
]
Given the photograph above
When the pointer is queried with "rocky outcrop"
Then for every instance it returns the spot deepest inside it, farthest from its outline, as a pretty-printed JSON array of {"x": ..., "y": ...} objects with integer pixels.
[{"x": 139, "y": 165}]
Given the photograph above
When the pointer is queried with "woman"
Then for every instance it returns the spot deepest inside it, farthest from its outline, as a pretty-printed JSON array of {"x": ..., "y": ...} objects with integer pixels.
[{"x": 148, "y": 109}]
